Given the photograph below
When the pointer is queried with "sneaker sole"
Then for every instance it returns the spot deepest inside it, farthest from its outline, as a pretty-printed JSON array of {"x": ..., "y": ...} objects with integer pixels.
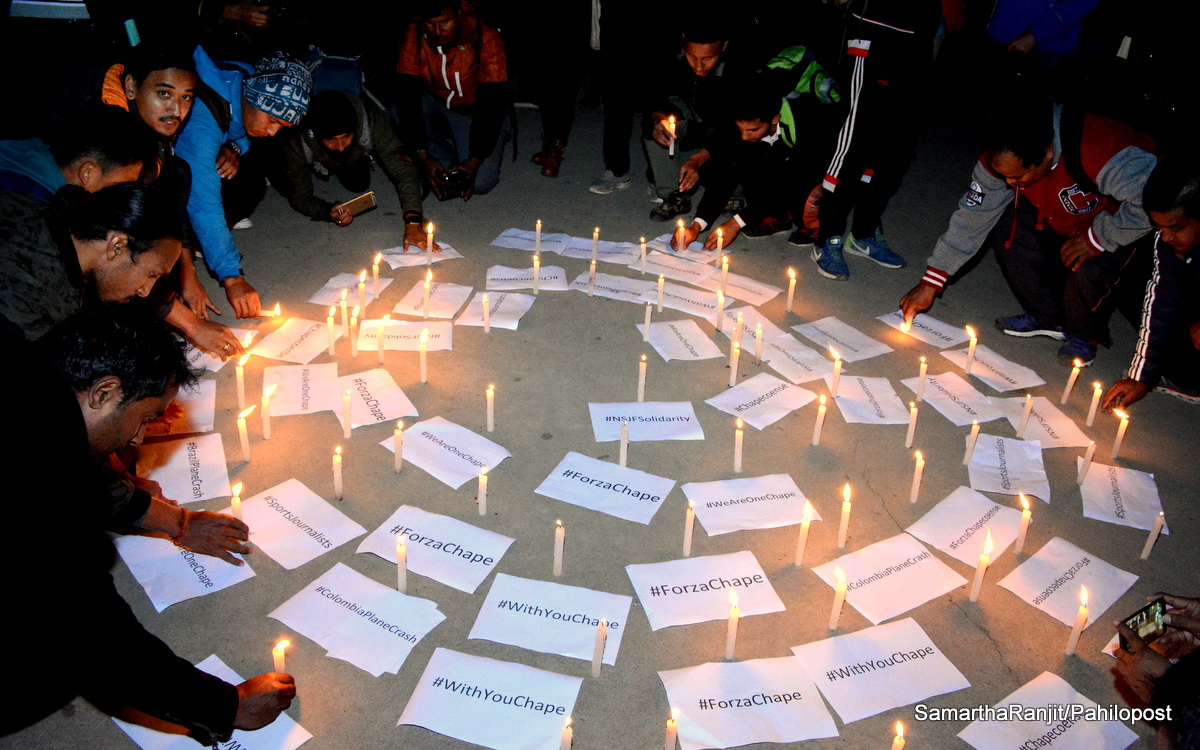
[
  {"x": 609, "y": 189},
  {"x": 815, "y": 255},
  {"x": 849, "y": 248},
  {"x": 1056, "y": 335}
]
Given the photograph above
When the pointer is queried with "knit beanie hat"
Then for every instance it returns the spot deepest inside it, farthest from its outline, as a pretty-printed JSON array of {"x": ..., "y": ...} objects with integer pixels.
[
  {"x": 332, "y": 115},
  {"x": 279, "y": 86}
]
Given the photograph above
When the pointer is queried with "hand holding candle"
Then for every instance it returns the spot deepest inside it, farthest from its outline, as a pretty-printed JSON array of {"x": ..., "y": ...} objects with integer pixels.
[
  {"x": 278, "y": 658},
  {"x": 671, "y": 135}
]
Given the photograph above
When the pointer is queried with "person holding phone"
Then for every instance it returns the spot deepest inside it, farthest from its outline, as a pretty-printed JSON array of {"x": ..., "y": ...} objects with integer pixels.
[{"x": 1142, "y": 665}]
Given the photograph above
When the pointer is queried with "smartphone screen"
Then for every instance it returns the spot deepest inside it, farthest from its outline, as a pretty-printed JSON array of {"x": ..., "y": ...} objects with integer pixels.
[{"x": 1146, "y": 622}]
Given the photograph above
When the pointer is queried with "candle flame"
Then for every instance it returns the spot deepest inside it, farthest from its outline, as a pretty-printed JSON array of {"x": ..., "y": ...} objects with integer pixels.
[
  {"x": 1083, "y": 596},
  {"x": 242, "y": 360},
  {"x": 671, "y": 119},
  {"x": 270, "y": 391},
  {"x": 737, "y": 347},
  {"x": 643, "y": 357},
  {"x": 733, "y": 598},
  {"x": 246, "y": 412},
  {"x": 1096, "y": 385},
  {"x": 692, "y": 505},
  {"x": 400, "y": 424},
  {"x": 674, "y": 714},
  {"x": 362, "y": 276},
  {"x": 354, "y": 312},
  {"x": 721, "y": 233},
  {"x": 485, "y": 299},
  {"x": 344, "y": 293},
  {"x": 424, "y": 335},
  {"x": 912, "y": 405},
  {"x": 919, "y": 456},
  {"x": 899, "y": 730},
  {"x": 378, "y": 257},
  {"x": 988, "y": 545},
  {"x": 679, "y": 223},
  {"x": 492, "y": 387},
  {"x": 539, "y": 223},
  {"x": 237, "y": 489},
  {"x": 643, "y": 240},
  {"x": 558, "y": 522},
  {"x": 536, "y": 259},
  {"x": 846, "y": 492},
  {"x": 596, "y": 230},
  {"x": 1078, "y": 363},
  {"x": 278, "y": 310},
  {"x": 1024, "y": 501},
  {"x": 808, "y": 510},
  {"x": 387, "y": 317},
  {"x": 567, "y": 723},
  {"x": 429, "y": 228},
  {"x": 971, "y": 332},
  {"x": 791, "y": 273},
  {"x": 337, "y": 451},
  {"x": 1120, "y": 414},
  {"x": 661, "y": 278},
  {"x": 282, "y": 644},
  {"x": 840, "y": 575},
  {"x": 347, "y": 394},
  {"x": 822, "y": 399},
  {"x": 483, "y": 471},
  {"x": 922, "y": 360},
  {"x": 332, "y": 310},
  {"x": 739, "y": 423},
  {"x": 429, "y": 276},
  {"x": 834, "y": 353}
]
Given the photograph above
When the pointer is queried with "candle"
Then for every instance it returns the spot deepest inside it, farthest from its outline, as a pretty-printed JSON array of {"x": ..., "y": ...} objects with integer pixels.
[
  {"x": 912, "y": 424},
  {"x": 802, "y": 539},
  {"x": 598, "y": 648},
  {"x": 337, "y": 473},
  {"x": 724, "y": 266},
  {"x": 641, "y": 388},
  {"x": 398, "y": 443},
  {"x": 918, "y": 472},
  {"x": 560, "y": 537},
  {"x": 720, "y": 310},
  {"x": 646, "y": 324},
  {"x": 266, "y": 412},
  {"x": 921, "y": 380},
  {"x": 970, "y": 351},
  {"x": 362, "y": 289},
  {"x": 689, "y": 525},
  {"x": 661, "y": 285},
  {"x": 758, "y": 336},
  {"x": 537, "y": 272},
  {"x": 1150, "y": 540},
  {"x": 537, "y": 237},
  {"x": 731, "y": 632},
  {"x": 844, "y": 526},
  {"x": 240, "y": 372},
  {"x": 624, "y": 453},
  {"x": 490, "y": 393},
  {"x": 672, "y": 733},
  {"x": 272, "y": 313},
  {"x": 346, "y": 424},
  {"x": 820, "y": 421},
  {"x": 982, "y": 567},
  {"x": 381, "y": 336},
  {"x": 244, "y": 436},
  {"x": 642, "y": 257},
  {"x": 721, "y": 244},
  {"x": 791, "y": 288},
  {"x": 1026, "y": 517},
  {"x": 1116, "y": 449},
  {"x": 354, "y": 332},
  {"x": 1087, "y": 462},
  {"x": 839, "y": 596},
  {"x": 592, "y": 279},
  {"x": 236, "y": 503},
  {"x": 278, "y": 657},
  {"x": 345, "y": 311},
  {"x": 1025, "y": 415},
  {"x": 971, "y": 440},
  {"x": 424, "y": 351},
  {"x": 1081, "y": 621},
  {"x": 905, "y": 326},
  {"x": 329, "y": 329},
  {"x": 837, "y": 371},
  {"x": 401, "y": 565},
  {"x": 487, "y": 315},
  {"x": 671, "y": 131},
  {"x": 898, "y": 742},
  {"x": 735, "y": 355},
  {"x": 738, "y": 329},
  {"x": 429, "y": 243},
  {"x": 1071, "y": 382},
  {"x": 679, "y": 235},
  {"x": 568, "y": 735},
  {"x": 481, "y": 498},
  {"x": 375, "y": 273},
  {"x": 425, "y": 296},
  {"x": 1096, "y": 392},
  {"x": 595, "y": 243},
  {"x": 738, "y": 435}
]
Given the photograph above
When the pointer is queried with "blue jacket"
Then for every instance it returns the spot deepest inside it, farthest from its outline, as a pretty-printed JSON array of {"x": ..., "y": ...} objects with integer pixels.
[
  {"x": 1055, "y": 24},
  {"x": 198, "y": 144},
  {"x": 27, "y": 167}
]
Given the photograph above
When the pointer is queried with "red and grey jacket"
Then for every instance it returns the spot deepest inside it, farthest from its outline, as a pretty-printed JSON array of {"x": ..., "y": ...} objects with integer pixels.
[
  {"x": 1114, "y": 156},
  {"x": 1170, "y": 308}
]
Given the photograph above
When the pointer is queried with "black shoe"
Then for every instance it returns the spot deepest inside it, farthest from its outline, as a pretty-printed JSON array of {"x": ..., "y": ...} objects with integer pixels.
[
  {"x": 769, "y": 226},
  {"x": 734, "y": 205},
  {"x": 676, "y": 204},
  {"x": 801, "y": 238}
]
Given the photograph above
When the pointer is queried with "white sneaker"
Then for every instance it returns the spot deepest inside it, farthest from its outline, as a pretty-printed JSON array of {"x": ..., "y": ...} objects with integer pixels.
[
  {"x": 652, "y": 194},
  {"x": 609, "y": 182},
  {"x": 244, "y": 224}
]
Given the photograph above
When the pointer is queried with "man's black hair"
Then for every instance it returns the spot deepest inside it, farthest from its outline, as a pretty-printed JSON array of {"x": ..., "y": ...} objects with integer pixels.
[
  {"x": 148, "y": 57},
  {"x": 119, "y": 341},
  {"x": 427, "y": 9},
  {"x": 142, "y": 212},
  {"x": 1023, "y": 127},
  {"x": 1174, "y": 183},
  {"x": 1179, "y": 689},
  {"x": 754, "y": 99},
  {"x": 107, "y": 135}
]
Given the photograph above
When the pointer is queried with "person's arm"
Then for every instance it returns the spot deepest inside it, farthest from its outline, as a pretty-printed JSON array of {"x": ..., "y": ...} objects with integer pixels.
[
  {"x": 1160, "y": 309},
  {"x": 205, "y": 532},
  {"x": 1123, "y": 177},
  {"x": 1056, "y": 17},
  {"x": 198, "y": 145},
  {"x": 294, "y": 181},
  {"x": 206, "y": 335},
  {"x": 398, "y": 165}
]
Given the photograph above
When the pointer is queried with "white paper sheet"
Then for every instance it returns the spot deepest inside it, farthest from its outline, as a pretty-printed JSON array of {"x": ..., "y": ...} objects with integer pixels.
[
  {"x": 1008, "y": 466},
  {"x": 197, "y": 358},
  {"x": 297, "y": 340},
  {"x": 959, "y": 526},
  {"x": 505, "y": 278},
  {"x": 1122, "y": 496},
  {"x": 505, "y": 310},
  {"x": 492, "y": 703},
  {"x": 551, "y": 618},
  {"x": 331, "y": 293},
  {"x": 927, "y": 329},
  {"x": 1050, "y": 581},
  {"x": 619, "y": 288},
  {"x": 451, "y": 453},
  {"x": 696, "y": 589},
  {"x": 1002, "y": 374},
  {"x": 396, "y": 257},
  {"x": 673, "y": 267},
  {"x": 868, "y": 400},
  {"x": 439, "y": 547},
  {"x": 302, "y": 389},
  {"x": 694, "y": 252},
  {"x": 891, "y": 577},
  {"x": 795, "y": 361},
  {"x": 648, "y": 420},
  {"x": 750, "y": 318},
  {"x": 699, "y": 302},
  {"x": 525, "y": 239},
  {"x": 374, "y": 398},
  {"x": 358, "y": 620},
  {"x": 445, "y": 299},
  {"x": 742, "y": 287},
  {"x": 851, "y": 343},
  {"x": 170, "y": 574},
  {"x": 618, "y": 491},
  {"x": 1047, "y": 423},
  {"x": 189, "y": 470},
  {"x": 199, "y": 411},
  {"x": 762, "y": 400},
  {"x": 766, "y": 502},
  {"x": 735, "y": 704},
  {"x": 292, "y": 525},
  {"x": 1049, "y": 694},
  {"x": 405, "y": 336},
  {"x": 681, "y": 339},
  {"x": 607, "y": 251},
  {"x": 877, "y": 669},
  {"x": 955, "y": 399}
]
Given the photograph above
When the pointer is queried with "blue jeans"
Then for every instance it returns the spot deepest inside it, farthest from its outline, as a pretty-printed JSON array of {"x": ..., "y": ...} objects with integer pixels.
[{"x": 450, "y": 142}]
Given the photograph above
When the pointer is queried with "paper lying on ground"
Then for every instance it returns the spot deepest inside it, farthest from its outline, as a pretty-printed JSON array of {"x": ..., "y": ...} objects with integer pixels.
[
  {"x": 292, "y": 524},
  {"x": 681, "y": 339},
  {"x": 397, "y": 258},
  {"x": 302, "y": 389},
  {"x": 851, "y": 343},
  {"x": 282, "y": 734},
  {"x": 189, "y": 470},
  {"x": 505, "y": 310},
  {"x": 742, "y": 287},
  {"x": 927, "y": 329},
  {"x": 526, "y": 239},
  {"x": 699, "y": 302},
  {"x": 1025, "y": 722},
  {"x": 762, "y": 400},
  {"x": 504, "y": 278},
  {"x": 1050, "y": 581},
  {"x": 694, "y": 252},
  {"x": 1122, "y": 496},
  {"x": 607, "y": 251},
  {"x": 331, "y": 293},
  {"x": 619, "y": 288},
  {"x": 493, "y": 703},
  {"x": 751, "y": 317},
  {"x": 795, "y": 361},
  {"x": 551, "y": 618},
  {"x": 1002, "y": 374},
  {"x": 445, "y": 299},
  {"x": 648, "y": 420},
  {"x": 171, "y": 574},
  {"x": 199, "y": 404},
  {"x": 959, "y": 526},
  {"x": 868, "y": 400},
  {"x": 618, "y": 491},
  {"x": 374, "y": 398},
  {"x": 356, "y": 619},
  {"x": 674, "y": 267},
  {"x": 1047, "y": 423},
  {"x": 766, "y": 502},
  {"x": 297, "y": 340},
  {"x": 451, "y": 453},
  {"x": 439, "y": 547},
  {"x": 212, "y": 363},
  {"x": 955, "y": 399},
  {"x": 405, "y": 335},
  {"x": 891, "y": 577},
  {"x": 877, "y": 669},
  {"x": 735, "y": 704},
  {"x": 1008, "y": 466},
  {"x": 696, "y": 589}
]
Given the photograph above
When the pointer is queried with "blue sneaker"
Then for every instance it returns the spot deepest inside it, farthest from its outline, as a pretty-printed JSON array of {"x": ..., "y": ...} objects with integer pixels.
[
  {"x": 1026, "y": 325},
  {"x": 829, "y": 259},
  {"x": 876, "y": 248},
  {"x": 1076, "y": 349}
]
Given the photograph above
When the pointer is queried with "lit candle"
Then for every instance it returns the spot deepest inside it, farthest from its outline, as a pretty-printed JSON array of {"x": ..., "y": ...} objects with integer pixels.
[
  {"x": 560, "y": 538},
  {"x": 671, "y": 131},
  {"x": 329, "y": 329},
  {"x": 398, "y": 441},
  {"x": 592, "y": 279},
  {"x": 424, "y": 351},
  {"x": 624, "y": 452},
  {"x": 381, "y": 336},
  {"x": 568, "y": 735},
  {"x": 641, "y": 388},
  {"x": 1087, "y": 462},
  {"x": 236, "y": 503},
  {"x": 791, "y": 288},
  {"x": 921, "y": 380},
  {"x": 240, "y": 372},
  {"x": 429, "y": 242},
  {"x": 537, "y": 237},
  {"x": 735, "y": 355},
  {"x": 738, "y": 436},
  {"x": 738, "y": 329},
  {"x": 271, "y": 313},
  {"x": 720, "y": 311},
  {"x": 346, "y": 424},
  {"x": 724, "y": 267},
  {"x": 802, "y": 539},
  {"x": 537, "y": 272},
  {"x": 643, "y": 256},
  {"x": 401, "y": 565},
  {"x": 337, "y": 473},
  {"x": 1025, "y": 415},
  {"x": 1096, "y": 391},
  {"x": 905, "y": 326},
  {"x": 844, "y": 526},
  {"x": 598, "y": 648},
  {"x": 758, "y": 337},
  {"x": 425, "y": 297},
  {"x": 487, "y": 315},
  {"x": 982, "y": 567},
  {"x": 839, "y": 596},
  {"x": 912, "y": 424},
  {"x": 354, "y": 332},
  {"x": 898, "y": 742},
  {"x": 375, "y": 273},
  {"x": 266, "y": 412},
  {"x": 345, "y": 311},
  {"x": 481, "y": 499},
  {"x": 689, "y": 525},
  {"x": 661, "y": 285},
  {"x": 1081, "y": 621},
  {"x": 918, "y": 472},
  {"x": 278, "y": 657},
  {"x": 837, "y": 371},
  {"x": 731, "y": 632},
  {"x": 720, "y": 245},
  {"x": 971, "y": 440},
  {"x": 820, "y": 421},
  {"x": 1026, "y": 517},
  {"x": 1071, "y": 381},
  {"x": 672, "y": 733},
  {"x": 1154, "y": 532},
  {"x": 1116, "y": 449},
  {"x": 646, "y": 324},
  {"x": 244, "y": 436},
  {"x": 362, "y": 289},
  {"x": 679, "y": 235},
  {"x": 970, "y": 351},
  {"x": 490, "y": 393},
  {"x": 595, "y": 243}
]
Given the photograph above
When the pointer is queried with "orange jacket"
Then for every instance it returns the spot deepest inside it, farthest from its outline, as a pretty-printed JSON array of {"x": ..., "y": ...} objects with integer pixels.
[{"x": 453, "y": 73}]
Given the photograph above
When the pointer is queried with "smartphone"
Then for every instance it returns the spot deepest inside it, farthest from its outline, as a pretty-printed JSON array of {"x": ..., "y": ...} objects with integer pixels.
[
  {"x": 364, "y": 202},
  {"x": 1146, "y": 622}
]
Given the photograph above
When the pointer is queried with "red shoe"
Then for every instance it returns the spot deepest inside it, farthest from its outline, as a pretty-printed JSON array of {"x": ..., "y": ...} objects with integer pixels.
[{"x": 550, "y": 157}]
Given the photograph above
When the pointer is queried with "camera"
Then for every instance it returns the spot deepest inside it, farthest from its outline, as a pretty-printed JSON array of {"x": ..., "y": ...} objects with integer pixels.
[{"x": 454, "y": 183}]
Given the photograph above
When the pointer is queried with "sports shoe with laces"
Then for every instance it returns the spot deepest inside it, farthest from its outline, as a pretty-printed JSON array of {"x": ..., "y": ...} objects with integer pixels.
[
  {"x": 801, "y": 238},
  {"x": 243, "y": 224},
  {"x": 675, "y": 204},
  {"x": 829, "y": 259},
  {"x": 1026, "y": 325},
  {"x": 876, "y": 248},
  {"x": 1076, "y": 349},
  {"x": 609, "y": 182}
]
